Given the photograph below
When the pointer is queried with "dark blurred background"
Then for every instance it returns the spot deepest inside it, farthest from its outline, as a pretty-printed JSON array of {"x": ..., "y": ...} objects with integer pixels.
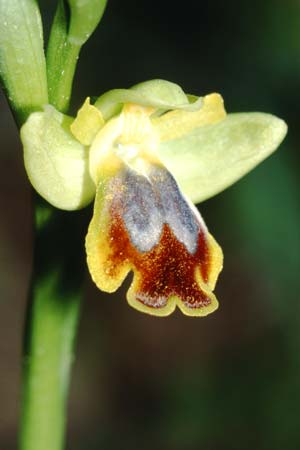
[{"x": 230, "y": 381}]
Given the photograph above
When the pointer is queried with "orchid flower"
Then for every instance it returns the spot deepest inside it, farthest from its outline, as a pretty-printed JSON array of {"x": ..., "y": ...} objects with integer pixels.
[{"x": 146, "y": 154}]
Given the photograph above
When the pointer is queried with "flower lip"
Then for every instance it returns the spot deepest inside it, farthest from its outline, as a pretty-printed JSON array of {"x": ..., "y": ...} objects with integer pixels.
[
  {"x": 146, "y": 223},
  {"x": 143, "y": 223}
]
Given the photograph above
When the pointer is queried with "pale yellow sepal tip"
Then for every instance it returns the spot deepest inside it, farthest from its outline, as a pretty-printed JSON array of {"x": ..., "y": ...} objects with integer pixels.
[{"x": 88, "y": 122}]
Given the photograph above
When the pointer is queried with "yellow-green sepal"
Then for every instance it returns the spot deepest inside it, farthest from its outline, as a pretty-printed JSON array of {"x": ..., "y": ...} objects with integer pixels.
[
  {"x": 212, "y": 157},
  {"x": 56, "y": 163},
  {"x": 159, "y": 94}
]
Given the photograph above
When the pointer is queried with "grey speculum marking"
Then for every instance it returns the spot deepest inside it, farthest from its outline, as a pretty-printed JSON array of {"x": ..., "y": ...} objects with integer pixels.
[
  {"x": 143, "y": 214},
  {"x": 148, "y": 203},
  {"x": 178, "y": 213}
]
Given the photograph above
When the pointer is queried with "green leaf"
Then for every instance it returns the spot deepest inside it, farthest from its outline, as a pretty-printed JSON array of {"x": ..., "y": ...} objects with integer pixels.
[
  {"x": 56, "y": 163},
  {"x": 22, "y": 60},
  {"x": 210, "y": 158},
  {"x": 159, "y": 94}
]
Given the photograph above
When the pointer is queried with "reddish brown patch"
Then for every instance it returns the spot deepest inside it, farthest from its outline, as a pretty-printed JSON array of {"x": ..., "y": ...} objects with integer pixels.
[{"x": 167, "y": 270}]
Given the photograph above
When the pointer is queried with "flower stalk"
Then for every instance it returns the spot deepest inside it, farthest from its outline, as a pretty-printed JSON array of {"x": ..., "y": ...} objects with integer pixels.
[{"x": 51, "y": 326}]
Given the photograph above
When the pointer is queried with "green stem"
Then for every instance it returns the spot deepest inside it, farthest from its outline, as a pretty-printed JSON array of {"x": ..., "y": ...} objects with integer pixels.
[
  {"x": 51, "y": 326},
  {"x": 58, "y": 269},
  {"x": 74, "y": 22},
  {"x": 62, "y": 56},
  {"x": 53, "y": 311}
]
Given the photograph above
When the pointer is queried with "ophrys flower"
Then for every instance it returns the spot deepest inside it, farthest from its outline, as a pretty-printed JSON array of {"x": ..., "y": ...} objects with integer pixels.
[{"x": 144, "y": 154}]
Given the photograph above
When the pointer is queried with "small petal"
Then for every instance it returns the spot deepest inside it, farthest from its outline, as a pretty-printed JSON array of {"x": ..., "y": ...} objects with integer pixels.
[
  {"x": 56, "y": 163},
  {"x": 142, "y": 222},
  {"x": 208, "y": 159},
  {"x": 88, "y": 122}
]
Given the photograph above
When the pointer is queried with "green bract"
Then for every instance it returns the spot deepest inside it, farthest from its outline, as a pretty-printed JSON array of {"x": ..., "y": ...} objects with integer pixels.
[
  {"x": 85, "y": 16},
  {"x": 205, "y": 149},
  {"x": 22, "y": 60}
]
